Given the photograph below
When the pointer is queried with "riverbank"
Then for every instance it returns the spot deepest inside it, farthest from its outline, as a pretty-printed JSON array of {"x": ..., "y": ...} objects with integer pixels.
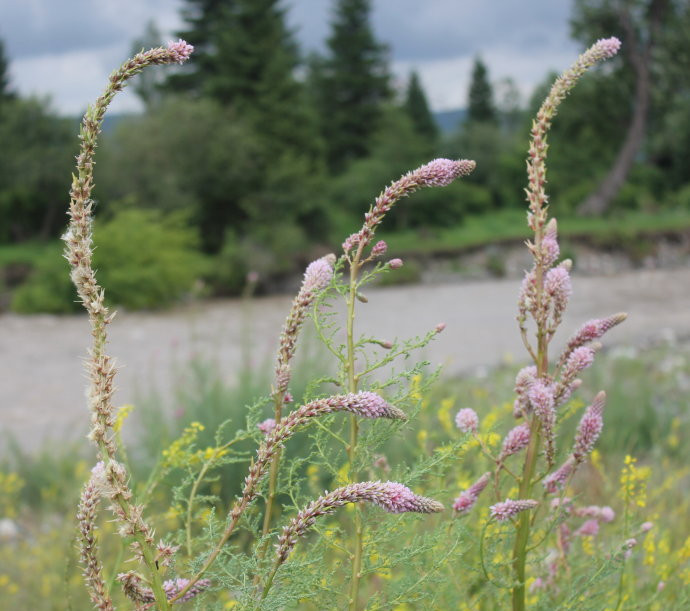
[{"x": 42, "y": 382}]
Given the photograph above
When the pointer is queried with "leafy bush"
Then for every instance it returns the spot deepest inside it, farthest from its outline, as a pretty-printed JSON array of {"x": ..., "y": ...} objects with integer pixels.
[
  {"x": 148, "y": 260},
  {"x": 48, "y": 288}
]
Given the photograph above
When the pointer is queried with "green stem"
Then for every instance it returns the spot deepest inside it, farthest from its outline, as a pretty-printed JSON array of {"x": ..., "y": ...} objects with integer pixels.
[
  {"x": 278, "y": 399},
  {"x": 522, "y": 536},
  {"x": 352, "y": 380},
  {"x": 269, "y": 581},
  {"x": 146, "y": 550},
  {"x": 526, "y": 483},
  {"x": 195, "y": 488}
]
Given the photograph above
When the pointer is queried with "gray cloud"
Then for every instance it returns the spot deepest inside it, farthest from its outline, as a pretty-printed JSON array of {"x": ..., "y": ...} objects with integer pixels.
[
  {"x": 66, "y": 48},
  {"x": 440, "y": 29},
  {"x": 32, "y": 28}
]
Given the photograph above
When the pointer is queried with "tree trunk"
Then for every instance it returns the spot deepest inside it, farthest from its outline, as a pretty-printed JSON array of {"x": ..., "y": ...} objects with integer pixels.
[
  {"x": 598, "y": 202},
  {"x": 640, "y": 56}
]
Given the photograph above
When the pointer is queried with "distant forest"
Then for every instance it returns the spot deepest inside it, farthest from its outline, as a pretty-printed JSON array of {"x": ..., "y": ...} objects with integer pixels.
[{"x": 259, "y": 157}]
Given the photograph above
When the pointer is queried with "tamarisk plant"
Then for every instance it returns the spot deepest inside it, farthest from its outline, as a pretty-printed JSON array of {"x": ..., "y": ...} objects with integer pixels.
[
  {"x": 542, "y": 387},
  {"x": 437, "y": 173},
  {"x": 145, "y": 585}
]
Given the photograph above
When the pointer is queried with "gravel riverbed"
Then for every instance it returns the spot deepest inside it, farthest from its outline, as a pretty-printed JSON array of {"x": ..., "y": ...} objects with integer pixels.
[{"x": 42, "y": 381}]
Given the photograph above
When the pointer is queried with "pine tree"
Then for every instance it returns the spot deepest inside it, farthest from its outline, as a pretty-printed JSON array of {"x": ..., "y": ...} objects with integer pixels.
[
  {"x": 351, "y": 84},
  {"x": 204, "y": 19},
  {"x": 5, "y": 91},
  {"x": 417, "y": 108},
  {"x": 245, "y": 57},
  {"x": 480, "y": 103}
]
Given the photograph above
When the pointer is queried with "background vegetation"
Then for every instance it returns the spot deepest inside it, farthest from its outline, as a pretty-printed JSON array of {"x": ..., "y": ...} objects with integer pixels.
[
  {"x": 253, "y": 130},
  {"x": 645, "y": 419}
]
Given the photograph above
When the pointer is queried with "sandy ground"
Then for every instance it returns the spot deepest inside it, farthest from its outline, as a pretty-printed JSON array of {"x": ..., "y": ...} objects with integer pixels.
[{"x": 42, "y": 381}]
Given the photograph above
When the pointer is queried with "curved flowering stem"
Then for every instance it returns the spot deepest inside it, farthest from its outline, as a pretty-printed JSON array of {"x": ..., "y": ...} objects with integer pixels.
[
  {"x": 436, "y": 173},
  {"x": 100, "y": 367},
  {"x": 362, "y": 404},
  {"x": 390, "y": 496},
  {"x": 317, "y": 276},
  {"x": 545, "y": 291},
  {"x": 88, "y": 552}
]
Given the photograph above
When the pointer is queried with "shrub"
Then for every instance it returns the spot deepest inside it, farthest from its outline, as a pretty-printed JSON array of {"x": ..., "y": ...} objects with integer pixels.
[
  {"x": 48, "y": 288},
  {"x": 146, "y": 259}
]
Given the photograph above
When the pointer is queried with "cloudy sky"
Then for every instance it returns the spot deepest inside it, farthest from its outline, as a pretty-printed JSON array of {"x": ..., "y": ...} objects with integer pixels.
[{"x": 65, "y": 49}]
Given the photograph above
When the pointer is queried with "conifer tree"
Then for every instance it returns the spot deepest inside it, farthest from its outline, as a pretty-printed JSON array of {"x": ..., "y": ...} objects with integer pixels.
[
  {"x": 204, "y": 19},
  {"x": 245, "y": 57},
  {"x": 417, "y": 108},
  {"x": 351, "y": 84},
  {"x": 5, "y": 91},
  {"x": 480, "y": 103}
]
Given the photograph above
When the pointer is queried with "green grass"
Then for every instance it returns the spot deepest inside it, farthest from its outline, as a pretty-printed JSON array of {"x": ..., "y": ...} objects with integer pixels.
[
  {"x": 28, "y": 253},
  {"x": 646, "y": 416},
  {"x": 509, "y": 226}
]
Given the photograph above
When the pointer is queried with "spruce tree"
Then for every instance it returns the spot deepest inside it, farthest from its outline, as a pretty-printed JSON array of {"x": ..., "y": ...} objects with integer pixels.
[
  {"x": 204, "y": 20},
  {"x": 245, "y": 57},
  {"x": 351, "y": 84},
  {"x": 5, "y": 92},
  {"x": 480, "y": 104},
  {"x": 417, "y": 108}
]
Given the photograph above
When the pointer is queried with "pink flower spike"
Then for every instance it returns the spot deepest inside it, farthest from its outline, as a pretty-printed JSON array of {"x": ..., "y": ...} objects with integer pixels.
[
  {"x": 541, "y": 396},
  {"x": 590, "y": 427},
  {"x": 606, "y": 47},
  {"x": 647, "y": 526},
  {"x": 467, "y": 420},
  {"x": 589, "y": 529},
  {"x": 173, "y": 586},
  {"x": 318, "y": 274},
  {"x": 591, "y": 330},
  {"x": 549, "y": 244},
  {"x": 180, "y": 50},
  {"x": 558, "y": 286},
  {"x": 468, "y": 498},
  {"x": 579, "y": 359},
  {"x": 267, "y": 425},
  {"x": 370, "y": 405},
  {"x": 400, "y": 499},
  {"x": 442, "y": 172},
  {"x": 439, "y": 327},
  {"x": 391, "y": 496},
  {"x": 607, "y": 514},
  {"x": 351, "y": 242},
  {"x": 517, "y": 439},
  {"x": 379, "y": 249},
  {"x": 523, "y": 381},
  {"x": 507, "y": 509},
  {"x": 555, "y": 480},
  {"x": 395, "y": 263}
]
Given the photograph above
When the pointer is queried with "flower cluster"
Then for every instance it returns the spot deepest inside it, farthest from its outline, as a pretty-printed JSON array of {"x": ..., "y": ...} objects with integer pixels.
[
  {"x": 468, "y": 498},
  {"x": 390, "y": 496},
  {"x": 436, "y": 173},
  {"x": 540, "y": 390}
]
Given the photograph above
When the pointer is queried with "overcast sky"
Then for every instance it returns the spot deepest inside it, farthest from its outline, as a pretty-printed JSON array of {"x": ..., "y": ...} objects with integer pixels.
[{"x": 66, "y": 48}]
